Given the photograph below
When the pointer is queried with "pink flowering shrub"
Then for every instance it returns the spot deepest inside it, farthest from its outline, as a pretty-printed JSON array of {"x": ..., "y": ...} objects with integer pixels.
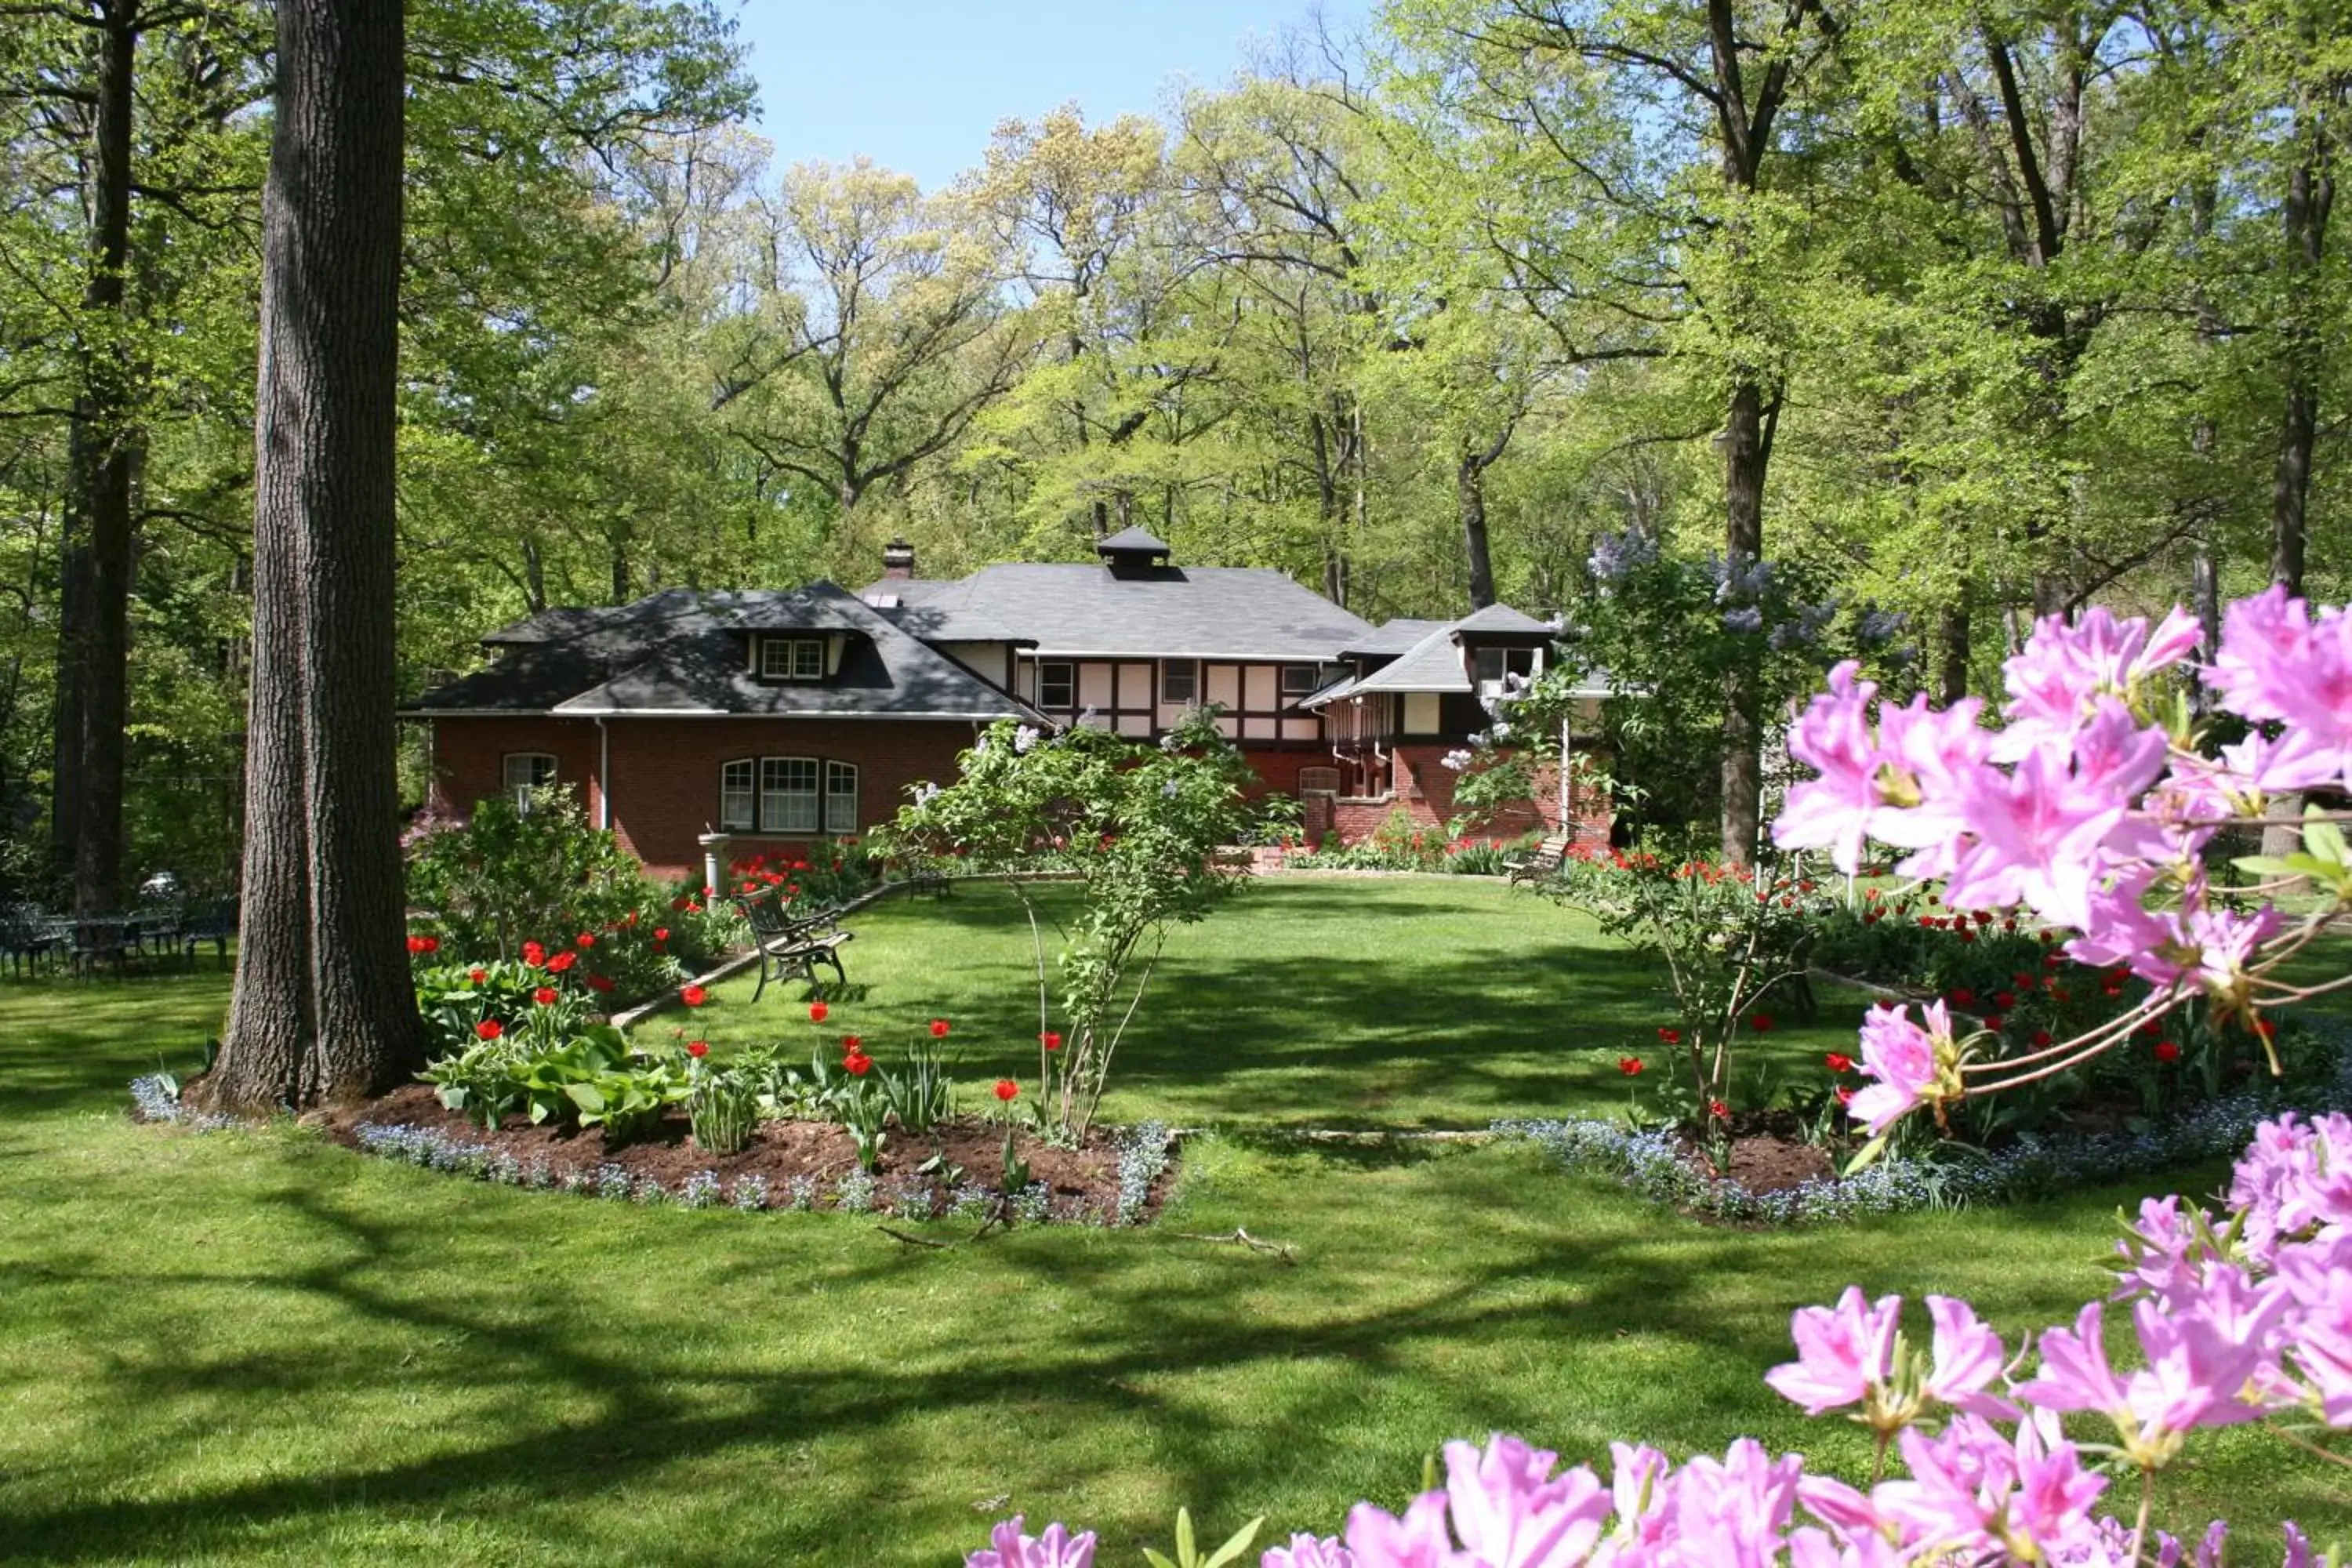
[
  {"x": 2239, "y": 1317},
  {"x": 2092, "y": 808}
]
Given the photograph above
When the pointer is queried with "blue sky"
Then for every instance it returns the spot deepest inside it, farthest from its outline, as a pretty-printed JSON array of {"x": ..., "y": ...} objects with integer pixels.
[{"x": 918, "y": 85}]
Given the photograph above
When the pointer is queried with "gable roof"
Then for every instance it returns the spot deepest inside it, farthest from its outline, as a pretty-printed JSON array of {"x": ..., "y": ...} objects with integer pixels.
[
  {"x": 683, "y": 654},
  {"x": 1167, "y": 612},
  {"x": 1391, "y": 637},
  {"x": 1502, "y": 620},
  {"x": 1132, "y": 542}
]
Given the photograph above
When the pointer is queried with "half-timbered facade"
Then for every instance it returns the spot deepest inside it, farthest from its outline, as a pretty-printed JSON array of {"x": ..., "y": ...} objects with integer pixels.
[{"x": 785, "y": 718}]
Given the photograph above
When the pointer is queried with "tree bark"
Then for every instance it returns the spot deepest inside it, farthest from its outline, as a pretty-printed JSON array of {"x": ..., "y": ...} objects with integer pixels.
[
  {"x": 1955, "y": 646},
  {"x": 2310, "y": 193},
  {"x": 323, "y": 1009},
  {"x": 93, "y": 662},
  {"x": 1470, "y": 503},
  {"x": 1746, "y": 448}
]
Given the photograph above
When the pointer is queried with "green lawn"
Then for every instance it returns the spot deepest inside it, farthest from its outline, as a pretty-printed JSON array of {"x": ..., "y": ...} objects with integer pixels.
[
  {"x": 254, "y": 1347},
  {"x": 1408, "y": 1002}
]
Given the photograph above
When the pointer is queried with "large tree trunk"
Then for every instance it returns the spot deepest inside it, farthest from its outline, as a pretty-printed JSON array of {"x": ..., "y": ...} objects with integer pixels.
[
  {"x": 1955, "y": 646},
  {"x": 2310, "y": 193},
  {"x": 1470, "y": 501},
  {"x": 1745, "y": 450},
  {"x": 323, "y": 1009},
  {"x": 93, "y": 656}
]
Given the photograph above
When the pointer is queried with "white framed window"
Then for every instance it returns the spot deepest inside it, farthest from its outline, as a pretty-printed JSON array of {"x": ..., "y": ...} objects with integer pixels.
[
  {"x": 1179, "y": 681},
  {"x": 1299, "y": 679},
  {"x": 792, "y": 659},
  {"x": 788, "y": 797},
  {"x": 739, "y": 795},
  {"x": 1488, "y": 662},
  {"x": 1057, "y": 685},
  {"x": 523, "y": 772},
  {"x": 840, "y": 797}
]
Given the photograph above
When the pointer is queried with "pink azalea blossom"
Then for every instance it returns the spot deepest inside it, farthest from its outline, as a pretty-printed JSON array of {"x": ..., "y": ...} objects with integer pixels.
[
  {"x": 1378, "y": 1538},
  {"x": 2075, "y": 1373},
  {"x": 2066, "y": 668},
  {"x": 1509, "y": 1510},
  {"x": 1308, "y": 1552},
  {"x": 1966, "y": 1357},
  {"x": 1056, "y": 1548},
  {"x": 1843, "y": 1351},
  {"x": 2276, "y": 664},
  {"x": 1901, "y": 1055}
]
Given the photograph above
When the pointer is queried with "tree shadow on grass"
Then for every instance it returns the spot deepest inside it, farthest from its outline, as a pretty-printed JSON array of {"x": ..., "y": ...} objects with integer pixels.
[{"x": 653, "y": 1406}]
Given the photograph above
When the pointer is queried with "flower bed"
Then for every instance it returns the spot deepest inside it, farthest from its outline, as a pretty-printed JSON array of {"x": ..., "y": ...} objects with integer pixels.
[
  {"x": 1117, "y": 1178},
  {"x": 1662, "y": 1165}
]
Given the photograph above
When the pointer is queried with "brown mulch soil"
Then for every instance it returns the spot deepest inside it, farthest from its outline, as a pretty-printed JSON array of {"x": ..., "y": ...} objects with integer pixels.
[
  {"x": 1081, "y": 1183},
  {"x": 1768, "y": 1154}
]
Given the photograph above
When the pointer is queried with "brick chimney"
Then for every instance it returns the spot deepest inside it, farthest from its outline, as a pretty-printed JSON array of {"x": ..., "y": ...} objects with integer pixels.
[{"x": 898, "y": 559}]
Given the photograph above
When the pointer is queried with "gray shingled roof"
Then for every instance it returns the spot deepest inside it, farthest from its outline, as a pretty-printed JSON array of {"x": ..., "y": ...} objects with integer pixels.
[
  {"x": 1174, "y": 612},
  {"x": 1498, "y": 618},
  {"x": 1132, "y": 542},
  {"x": 682, "y": 653},
  {"x": 937, "y": 610},
  {"x": 1435, "y": 663},
  {"x": 1391, "y": 637}
]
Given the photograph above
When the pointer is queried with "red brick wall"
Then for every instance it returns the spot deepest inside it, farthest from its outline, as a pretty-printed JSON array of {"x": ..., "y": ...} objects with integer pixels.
[
  {"x": 665, "y": 771},
  {"x": 1422, "y": 786}
]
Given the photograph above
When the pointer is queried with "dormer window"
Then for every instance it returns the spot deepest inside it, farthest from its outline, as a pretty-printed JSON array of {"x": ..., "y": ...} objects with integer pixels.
[
  {"x": 792, "y": 659},
  {"x": 1490, "y": 665}
]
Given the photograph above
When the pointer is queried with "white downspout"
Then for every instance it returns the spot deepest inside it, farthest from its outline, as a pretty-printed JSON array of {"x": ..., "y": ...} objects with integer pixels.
[
  {"x": 1567, "y": 824},
  {"x": 603, "y": 775}
]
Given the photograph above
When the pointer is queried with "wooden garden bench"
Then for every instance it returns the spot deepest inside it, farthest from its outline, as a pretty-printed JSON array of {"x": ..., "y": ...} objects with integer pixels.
[{"x": 1542, "y": 861}]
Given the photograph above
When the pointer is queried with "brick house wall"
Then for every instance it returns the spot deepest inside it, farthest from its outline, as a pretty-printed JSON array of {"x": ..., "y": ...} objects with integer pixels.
[
  {"x": 1422, "y": 785},
  {"x": 664, "y": 781}
]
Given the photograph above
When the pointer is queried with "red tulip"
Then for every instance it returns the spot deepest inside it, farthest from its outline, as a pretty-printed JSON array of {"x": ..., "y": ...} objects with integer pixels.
[
  {"x": 1052, "y": 1039},
  {"x": 478, "y": 975},
  {"x": 1007, "y": 1088},
  {"x": 534, "y": 955},
  {"x": 1839, "y": 1061},
  {"x": 694, "y": 996},
  {"x": 2166, "y": 1051},
  {"x": 1630, "y": 1066},
  {"x": 599, "y": 982},
  {"x": 939, "y": 1028},
  {"x": 1761, "y": 1023},
  {"x": 561, "y": 962},
  {"x": 489, "y": 1029},
  {"x": 698, "y": 1048},
  {"x": 2041, "y": 1037},
  {"x": 546, "y": 995},
  {"x": 661, "y": 934},
  {"x": 817, "y": 1010},
  {"x": 1718, "y": 1110},
  {"x": 419, "y": 945},
  {"x": 1671, "y": 1037},
  {"x": 1844, "y": 1095},
  {"x": 585, "y": 939},
  {"x": 855, "y": 1065}
]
